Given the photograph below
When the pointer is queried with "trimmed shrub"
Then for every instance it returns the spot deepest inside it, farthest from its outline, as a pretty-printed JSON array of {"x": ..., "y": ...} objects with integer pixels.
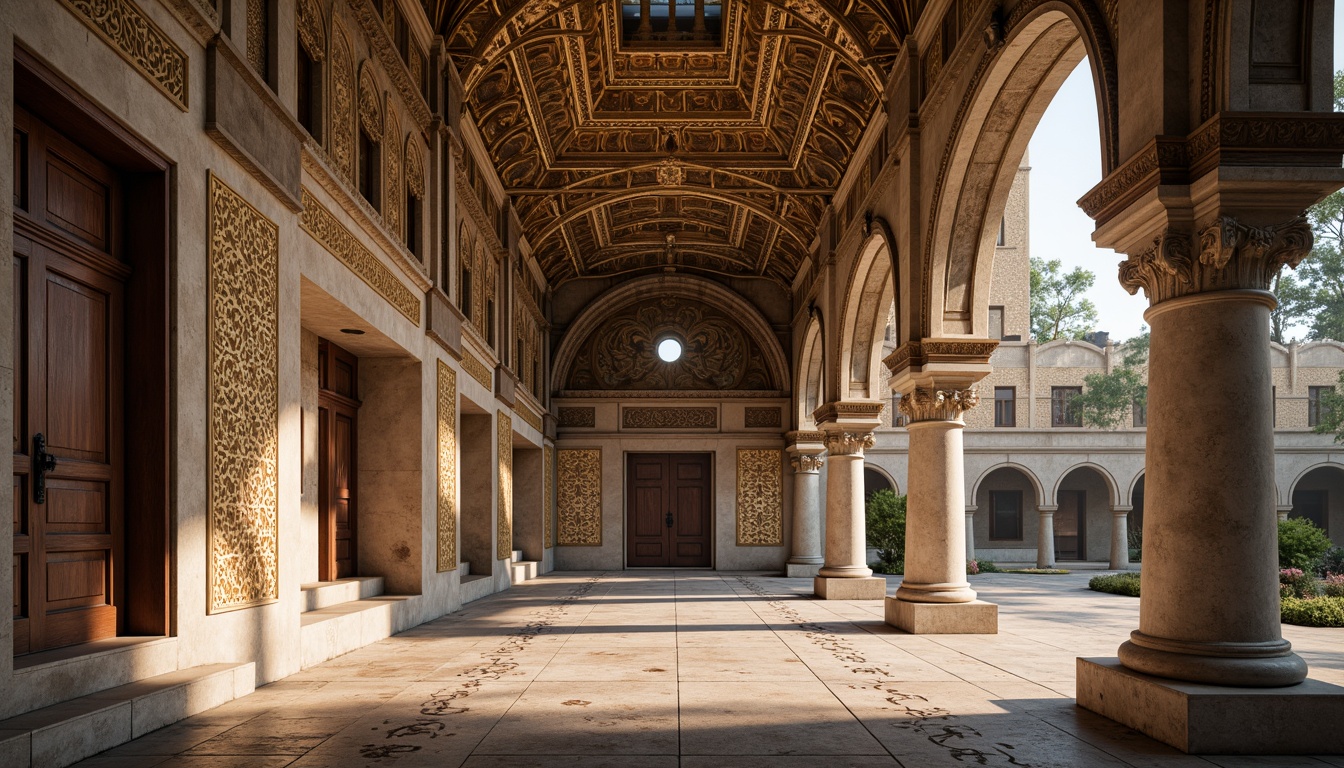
[
  {"x": 1301, "y": 544},
  {"x": 885, "y": 520},
  {"x": 981, "y": 566},
  {"x": 1294, "y": 583},
  {"x": 1313, "y": 612},
  {"x": 1331, "y": 562},
  {"x": 1125, "y": 583},
  {"x": 891, "y": 569},
  {"x": 1333, "y": 586}
]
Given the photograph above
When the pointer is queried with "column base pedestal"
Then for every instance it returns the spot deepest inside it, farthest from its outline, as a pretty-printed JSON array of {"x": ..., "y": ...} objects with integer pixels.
[
  {"x": 1212, "y": 719},
  {"x": 974, "y": 618},
  {"x": 802, "y": 570},
  {"x": 830, "y": 588}
]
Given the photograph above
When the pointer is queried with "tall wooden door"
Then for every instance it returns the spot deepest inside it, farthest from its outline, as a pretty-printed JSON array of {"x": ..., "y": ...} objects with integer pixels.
[
  {"x": 338, "y": 406},
  {"x": 1071, "y": 526},
  {"x": 668, "y": 510},
  {"x": 67, "y": 442}
]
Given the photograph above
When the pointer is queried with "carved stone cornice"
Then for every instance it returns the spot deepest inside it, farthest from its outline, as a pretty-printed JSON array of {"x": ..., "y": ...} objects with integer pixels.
[
  {"x": 849, "y": 443},
  {"x": 848, "y": 409},
  {"x": 800, "y": 437},
  {"x": 807, "y": 462},
  {"x": 928, "y": 404},
  {"x": 915, "y": 355},
  {"x": 381, "y": 42},
  {"x": 1231, "y": 255}
]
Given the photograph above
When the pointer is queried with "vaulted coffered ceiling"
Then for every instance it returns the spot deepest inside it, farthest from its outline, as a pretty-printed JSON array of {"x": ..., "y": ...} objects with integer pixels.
[{"x": 705, "y": 152}]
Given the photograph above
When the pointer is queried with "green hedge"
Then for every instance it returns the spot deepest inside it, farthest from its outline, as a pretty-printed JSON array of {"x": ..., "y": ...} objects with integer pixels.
[
  {"x": 1126, "y": 583},
  {"x": 1315, "y": 612}
]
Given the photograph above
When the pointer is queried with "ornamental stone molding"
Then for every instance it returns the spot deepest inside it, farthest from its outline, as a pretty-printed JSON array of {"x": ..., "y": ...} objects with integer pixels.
[
  {"x": 849, "y": 443},
  {"x": 928, "y": 404},
  {"x": 918, "y": 355},
  {"x": 805, "y": 462},
  {"x": 1231, "y": 255}
]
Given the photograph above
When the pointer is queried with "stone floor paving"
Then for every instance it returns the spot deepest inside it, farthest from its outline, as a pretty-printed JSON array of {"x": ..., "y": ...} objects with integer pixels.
[{"x": 703, "y": 670}]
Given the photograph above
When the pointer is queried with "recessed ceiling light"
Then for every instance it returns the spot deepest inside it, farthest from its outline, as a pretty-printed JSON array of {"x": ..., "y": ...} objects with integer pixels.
[{"x": 352, "y": 331}]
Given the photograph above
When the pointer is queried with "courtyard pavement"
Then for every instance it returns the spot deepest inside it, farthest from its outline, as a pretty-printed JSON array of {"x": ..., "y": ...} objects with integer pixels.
[{"x": 702, "y": 669}]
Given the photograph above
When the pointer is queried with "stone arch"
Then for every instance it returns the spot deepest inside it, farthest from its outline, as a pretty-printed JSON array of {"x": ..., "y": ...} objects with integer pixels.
[
  {"x": 810, "y": 393},
  {"x": 312, "y": 29},
  {"x": 1112, "y": 488},
  {"x": 1303, "y": 474},
  {"x": 370, "y": 103},
  {"x": 673, "y": 286},
  {"x": 1022, "y": 468},
  {"x": 884, "y": 474},
  {"x": 1133, "y": 487},
  {"x": 1007, "y": 94},
  {"x": 868, "y": 300},
  {"x": 1327, "y": 476}
]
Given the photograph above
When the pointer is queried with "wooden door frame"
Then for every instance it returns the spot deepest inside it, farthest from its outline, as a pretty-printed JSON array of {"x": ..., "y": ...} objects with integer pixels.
[
  {"x": 626, "y": 498},
  {"x": 1080, "y": 524},
  {"x": 142, "y": 593},
  {"x": 328, "y": 400}
]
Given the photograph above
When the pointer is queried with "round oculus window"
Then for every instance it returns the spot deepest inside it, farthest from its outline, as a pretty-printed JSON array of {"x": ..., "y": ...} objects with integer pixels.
[{"x": 669, "y": 350}]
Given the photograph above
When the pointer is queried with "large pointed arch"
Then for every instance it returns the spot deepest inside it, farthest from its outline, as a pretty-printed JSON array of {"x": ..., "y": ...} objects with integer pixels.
[{"x": 870, "y": 292}]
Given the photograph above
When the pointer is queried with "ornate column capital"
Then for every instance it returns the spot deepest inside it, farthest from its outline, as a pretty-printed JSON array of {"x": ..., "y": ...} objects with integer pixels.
[
  {"x": 934, "y": 404},
  {"x": 807, "y": 462},
  {"x": 1229, "y": 255},
  {"x": 849, "y": 443}
]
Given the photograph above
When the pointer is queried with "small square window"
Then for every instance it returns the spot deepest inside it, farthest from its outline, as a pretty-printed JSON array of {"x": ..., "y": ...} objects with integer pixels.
[
  {"x": 1316, "y": 410},
  {"x": 1063, "y": 413}
]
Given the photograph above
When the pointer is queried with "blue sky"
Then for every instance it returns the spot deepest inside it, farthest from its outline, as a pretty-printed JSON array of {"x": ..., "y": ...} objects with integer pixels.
[{"x": 1065, "y": 158}]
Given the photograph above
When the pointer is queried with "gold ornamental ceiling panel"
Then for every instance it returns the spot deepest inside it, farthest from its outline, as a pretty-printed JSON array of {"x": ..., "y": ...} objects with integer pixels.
[{"x": 699, "y": 135}]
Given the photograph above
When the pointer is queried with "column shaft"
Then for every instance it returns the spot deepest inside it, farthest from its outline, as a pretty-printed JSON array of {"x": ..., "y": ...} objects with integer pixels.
[
  {"x": 970, "y": 534},
  {"x": 1045, "y": 537},
  {"x": 846, "y": 544},
  {"x": 935, "y": 523},
  {"x": 1120, "y": 539},
  {"x": 1209, "y": 488},
  {"x": 806, "y": 510}
]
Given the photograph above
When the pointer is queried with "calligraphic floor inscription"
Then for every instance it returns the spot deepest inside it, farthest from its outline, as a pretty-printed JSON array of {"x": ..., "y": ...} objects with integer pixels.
[{"x": 700, "y": 669}]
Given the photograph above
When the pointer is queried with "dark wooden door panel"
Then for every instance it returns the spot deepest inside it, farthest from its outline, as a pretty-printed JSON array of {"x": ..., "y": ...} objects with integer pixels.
[
  {"x": 668, "y": 510},
  {"x": 338, "y": 441}
]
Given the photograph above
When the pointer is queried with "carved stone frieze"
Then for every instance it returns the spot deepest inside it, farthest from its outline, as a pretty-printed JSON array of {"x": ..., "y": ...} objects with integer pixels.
[
  {"x": 477, "y": 370},
  {"x": 762, "y": 417},
  {"x": 386, "y": 48},
  {"x": 415, "y": 168},
  {"x": 806, "y": 462},
  {"x": 548, "y": 497},
  {"x": 579, "y": 497},
  {"x": 571, "y": 418},
  {"x": 138, "y": 40},
  {"x": 258, "y": 36},
  {"x": 917, "y": 354},
  {"x": 1231, "y": 255},
  {"x": 760, "y": 498},
  {"x": 342, "y": 107},
  {"x": 504, "y": 511},
  {"x": 332, "y": 235},
  {"x": 669, "y": 418},
  {"x": 926, "y": 404},
  {"x": 446, "y": 535},
  {"x": 244, "y": 403},
  {"x": 528, "y": 417},
  {"x": 311, "y": 35},
  {"x": 849, "y": 443},
  {"x": 393, "y": 197},
  {"x": 370, "y": 103}
]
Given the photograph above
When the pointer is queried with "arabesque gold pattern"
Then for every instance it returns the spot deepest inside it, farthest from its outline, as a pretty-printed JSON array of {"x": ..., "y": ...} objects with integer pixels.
[
  {"x": 139, "y": 41},
  {"x": 477, "y": 369},
  {"x": 669, "y": 418},
  {"x": 257, "y": 36},
  {"x": 342, "y": 106},
  {"x": 447, "y": 492},
  {"x": 760, "y": 497},
  {"x": 393, "y": 195},
  {"x": 548, "y": 497},
  {"x": 325, "y": 229},
  {"x": 311, "y": 35},
  {"x": 579, "y": 497},
  {"x": 504, "y": 523},
  {"x": 762, "y": 417},
  {"x": 244, "y": 400},
  {"x": 578, "y": 417},
  {"x": 528, "y": 417}
]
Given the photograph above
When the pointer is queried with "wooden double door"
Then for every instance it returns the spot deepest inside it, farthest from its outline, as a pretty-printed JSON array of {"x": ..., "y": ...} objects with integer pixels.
[
  {"x": 69, "y": 495},
  {"x": 338, "y": 420},
  {"x": 668, "y": 510}
]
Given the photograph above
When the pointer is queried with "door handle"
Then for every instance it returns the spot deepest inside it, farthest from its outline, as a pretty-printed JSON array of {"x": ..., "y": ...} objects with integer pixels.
[
  {"x": 669, "y": 519},
  {"x": 43, "y": 463}
]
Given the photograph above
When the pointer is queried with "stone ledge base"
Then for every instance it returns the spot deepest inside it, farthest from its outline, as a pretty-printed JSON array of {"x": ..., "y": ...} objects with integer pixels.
[
  {"x": 1213, "y": 720},
  {"x": 828, "y": 588},
  {"x": 973, "y": 618},
  {"x": 801, "y": 570}
]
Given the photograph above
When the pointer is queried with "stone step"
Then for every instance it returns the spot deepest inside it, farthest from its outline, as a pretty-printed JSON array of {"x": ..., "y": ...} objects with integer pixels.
[
  {"x": 475, "y": 587},
  {"x": 339, "y": 629},
  {"x": 65, "y": 733},
  {"x": 524, "y": 570},
  {"x": 324, "y": 594},
  {"x": 517, "y": 556}
]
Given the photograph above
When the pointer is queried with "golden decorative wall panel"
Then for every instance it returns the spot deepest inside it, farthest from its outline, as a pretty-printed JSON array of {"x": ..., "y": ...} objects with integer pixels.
[
  {"x": 760, "y": 497},
  {"x": 415, "y": 167},
  {"x": 258, "y": 36},
  {"x": 447, "y": 493},
  {"x": 244, "y": 399},
  {"x": 393, "y": 194},
  {"x": 528, "y": 417},
  {"x": 548, "y": 496},
  {"x": 325, "y": 229},
  {"x": 578, "y": 417},
  {"x": 370, "y": 103},
  {"x": 477, "y": 369},
  {"x": 669, "y": 418},
  {"x": 763, "y": 417},
  {"x": 342, "y": 106},
  {"x": 139, "y": 41},
  {"x": 579, "y": 497},
  {"x": 504, "y": 522}
]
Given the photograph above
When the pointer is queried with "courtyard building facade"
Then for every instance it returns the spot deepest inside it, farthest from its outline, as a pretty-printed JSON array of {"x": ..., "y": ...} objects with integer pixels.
[{"x": 331, "y": 317}]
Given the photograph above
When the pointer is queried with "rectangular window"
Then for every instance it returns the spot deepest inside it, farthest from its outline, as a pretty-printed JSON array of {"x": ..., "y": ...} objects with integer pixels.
[
  {"x": 1005, "y": 515},
  {"x": 368, "y": 168},
  {"x": 1140, "y": 414},
  {"x": 1316, "y": 410},
  {"x": 490, "y": 322},
  {"x": 465, "y": 282},
  {"x": 1005, "y": 406},
  {"x": 1063, "y": 413},
  {"x": 308, "y": 79},
  {"x": 996, "y": 322},
  {"x": 412, "y": 223}
]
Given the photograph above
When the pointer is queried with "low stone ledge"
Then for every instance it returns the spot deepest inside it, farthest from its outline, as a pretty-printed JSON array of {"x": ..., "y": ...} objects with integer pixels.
[
  {"x": 1211, "y": 719},
  {"x": 831, "y": 588}
]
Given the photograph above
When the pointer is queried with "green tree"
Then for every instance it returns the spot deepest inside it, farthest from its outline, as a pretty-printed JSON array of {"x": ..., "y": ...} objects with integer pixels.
[
  {"x": 1295, "y": 301},
  {"x": 1058, "y": 308},
  {"x": 1108, "y": 399},
  {"x": 885, "y": 523}
]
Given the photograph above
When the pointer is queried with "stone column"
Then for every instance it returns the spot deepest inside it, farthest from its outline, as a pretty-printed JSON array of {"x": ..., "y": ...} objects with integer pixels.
[
  {"x": 970, "y": 533},
  {"x": 699, "y": 28},
  {"x": 805, "y": 453},
  {"x": 645, "y": 20},
  {"x": 1045, "y": 537},
  {"x": 1120, "y": 538},
  {"x": 847, "y": 427},
  {"x": 935, "y": 596},
  {"x": 1282, "y": 513}
]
